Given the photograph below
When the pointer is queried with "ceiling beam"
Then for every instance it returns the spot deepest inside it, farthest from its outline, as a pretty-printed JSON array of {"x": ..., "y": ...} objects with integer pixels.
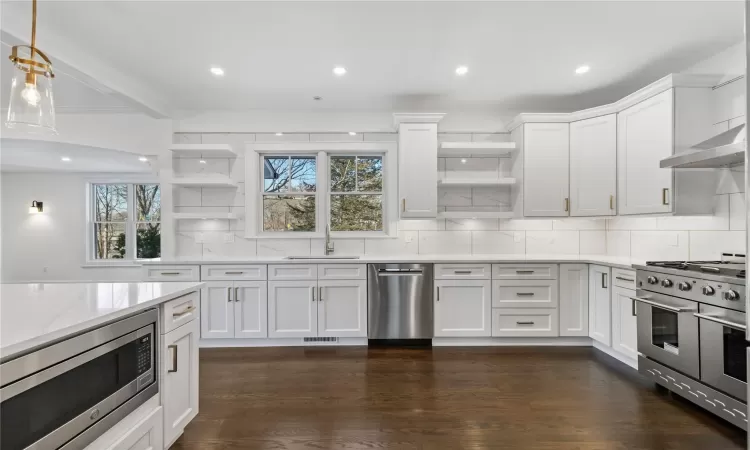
[{"x": 82, "y": 65}]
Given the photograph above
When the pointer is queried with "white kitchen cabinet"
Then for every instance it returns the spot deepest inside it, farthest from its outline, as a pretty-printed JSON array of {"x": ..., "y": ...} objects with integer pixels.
[
  {"x": 217, "y": 310},
  {"x": 574, "y": 300},
  {"x": 342, "y": 308},
  {"x": 147, "y": 434},
  {"x": 250, "y": 309},
  {"x": 656, "y": 128},
  {"x": 292, "y": 308},
  {"x": 463, "y": 308},
  {"x": 593, "y": 167},
  {"x": 417, "y": 152},
  {"x": 624, "y": 323},
  {"x": 179, "y": 384},
  {"x": 599, "y": 304},
  {"x": 546, "y": 162}
]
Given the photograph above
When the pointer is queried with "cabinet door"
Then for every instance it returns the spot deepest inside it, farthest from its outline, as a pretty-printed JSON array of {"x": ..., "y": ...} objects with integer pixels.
[
  {"x": 250, "y": 309},
  {"x": 624, "y": 322},
  {"x": 599, "y": 304},
  {"x": 217, "y": 310},
  {"x": 180, "y": 379},
  {"x": 292, "y": 309},
  {"x": 342, "y": 308},
  {"x": 417, "y": 152},
  {"x": 463, "y": 308},
  {"x": 545, "y": 171},
  {"x": 593, "y": 166},
  {"x": 645, "y": 134},
  {"x": 574, "y": 300}
]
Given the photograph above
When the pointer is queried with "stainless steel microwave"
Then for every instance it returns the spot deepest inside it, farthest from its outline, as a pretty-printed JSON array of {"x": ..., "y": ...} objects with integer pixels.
[{"x": 66, "y": 395}]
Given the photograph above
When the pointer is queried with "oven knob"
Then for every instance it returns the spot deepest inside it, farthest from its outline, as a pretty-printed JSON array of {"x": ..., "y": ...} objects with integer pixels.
[
  {"x": 684, "y": 286},
  {"x": 731, "y": 295},
  {"x": 708, "y": 290},
  {"x": 666, "y": 283},
  {"x": 652, "y": 280}
]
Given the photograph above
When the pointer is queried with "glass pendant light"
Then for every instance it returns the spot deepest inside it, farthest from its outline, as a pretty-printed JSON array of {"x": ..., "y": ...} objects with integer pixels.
[{"x": 32, "y": 105}]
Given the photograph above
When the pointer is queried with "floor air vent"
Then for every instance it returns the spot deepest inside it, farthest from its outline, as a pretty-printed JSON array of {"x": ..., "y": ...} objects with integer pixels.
[{"x": 321, "y": 339}]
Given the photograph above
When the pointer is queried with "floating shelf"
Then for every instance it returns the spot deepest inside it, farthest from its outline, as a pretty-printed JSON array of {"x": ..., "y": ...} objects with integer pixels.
[
  {"x": 477, "y": 182},
  {"x": 476, "y": 215},
  {"x": 206, "y": 215},
  {"x": 204, "y": 182},
  {"x": 203, "y": 150},
  {"x": 458, "y": 149}
]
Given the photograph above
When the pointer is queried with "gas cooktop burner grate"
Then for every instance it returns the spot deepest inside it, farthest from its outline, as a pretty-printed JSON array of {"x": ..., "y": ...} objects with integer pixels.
[{"x": 730, "y": 268}]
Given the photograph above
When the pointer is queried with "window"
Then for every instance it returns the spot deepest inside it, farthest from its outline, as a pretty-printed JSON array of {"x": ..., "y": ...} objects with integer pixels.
[
  {"x": 125, "y": 221},
  {"x": 356, "y": 193},
  {"x": 289, "y": 185}
]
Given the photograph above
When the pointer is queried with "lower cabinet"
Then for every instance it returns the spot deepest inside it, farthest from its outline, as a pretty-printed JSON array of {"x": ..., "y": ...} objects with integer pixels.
[
  {"x": 292, "y": 309},
  {"x": 179, "y": 379},
  {"x": 342, "y": 308},
  {"x": 146, "y": 435},
  {"x": 624, "y": 322},
  {"x": 599, "y": 304},
  {"x": 234, "y": 309},
  {"x": 463, "y": 308},
  {"x": 525, "y": 322},
  {"x": 574, "y": 300}
]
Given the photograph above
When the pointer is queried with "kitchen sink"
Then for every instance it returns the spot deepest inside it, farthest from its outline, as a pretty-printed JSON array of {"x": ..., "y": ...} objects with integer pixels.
[{"x": 322, "y": 257}]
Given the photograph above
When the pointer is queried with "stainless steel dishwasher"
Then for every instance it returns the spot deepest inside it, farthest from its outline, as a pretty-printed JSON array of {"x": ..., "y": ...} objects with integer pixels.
[{"x": 399, "y": 298}]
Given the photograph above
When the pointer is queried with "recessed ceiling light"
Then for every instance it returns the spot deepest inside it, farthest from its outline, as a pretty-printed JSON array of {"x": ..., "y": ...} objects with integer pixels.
[
  {"x": 218, "y": 71},
  {"x": 279, "y": 134},
  {"x": 463, "y": 161},
  {"x": 339, "y": 71},
  {"x": 65, "y": 159},
  {"x": 580, "y": 70},
  {"x": 142, "y": 159},
  {"x": 462, "y": 70},
  {"x": 352, "y": 133},
  {"x": 202, "y": 161}
]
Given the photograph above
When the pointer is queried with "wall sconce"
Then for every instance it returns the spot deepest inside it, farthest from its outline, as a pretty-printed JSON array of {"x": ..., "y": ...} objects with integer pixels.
[{"x": 36, "y": 207}]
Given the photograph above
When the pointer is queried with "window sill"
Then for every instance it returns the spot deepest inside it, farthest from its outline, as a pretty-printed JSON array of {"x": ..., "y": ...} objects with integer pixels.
[
  {"x": 100, "y": 264},
  {"x": 336, "y": 236}
]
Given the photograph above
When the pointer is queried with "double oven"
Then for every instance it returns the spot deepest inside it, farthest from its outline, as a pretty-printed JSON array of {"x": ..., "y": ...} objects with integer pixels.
[
  {"x": 66, "y": 395},
  {"x": 691, "y": 337}
]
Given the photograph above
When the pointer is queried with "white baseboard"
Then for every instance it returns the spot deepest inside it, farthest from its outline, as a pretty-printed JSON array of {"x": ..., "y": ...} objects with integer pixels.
[
  {"x": 512, "y": 342},
  {"x": 277, "y": 342},
  {"x": 615, "y": 354}
]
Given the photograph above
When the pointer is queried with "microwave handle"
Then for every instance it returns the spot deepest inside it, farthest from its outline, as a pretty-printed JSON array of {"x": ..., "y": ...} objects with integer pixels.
[
  {"x": 730, "y": 324},
  {"x": 677, "y": 309}
]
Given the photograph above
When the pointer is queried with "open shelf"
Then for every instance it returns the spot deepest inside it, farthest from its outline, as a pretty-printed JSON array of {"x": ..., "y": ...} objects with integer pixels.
[
  {"x": 477, "y": 182},
  {"x": 476, "y": 149},
  {"x": 476, "y": 215},
  {"x": 203, "y": 182},
  {"x": 203, "y": 150},
  {"x": 206, "y": 215}
]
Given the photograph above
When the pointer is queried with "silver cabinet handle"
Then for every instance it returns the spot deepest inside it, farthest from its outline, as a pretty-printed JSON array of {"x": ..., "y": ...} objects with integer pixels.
[
  {"x": 624, "y": 279},
  {"x": 524, "y": 323},
  {"x": 438, "y": 292},
  {"x": 677, "y": 309},
  {"x": 174, "y": 358},
  {"x": 312, "y": 288},
  {"x": 170, "y": 273},
  {"x": 320, "y": 294},
  {"x": 462, "y": 272},
  {"x": 632, "y": 307},
  {"x": 735, "y": 325},
  {"x": 525, "y": 294},
  {"x": 604, "y": 280},
  {"x": 665, "y": 196},
  {"x": 236, "y": 294},
  {"x": 229, "y": 294},
  {"x": 233, "y": 273},
  {"x": 187, "y": 310},
  {"x": 524, "y": 272}
]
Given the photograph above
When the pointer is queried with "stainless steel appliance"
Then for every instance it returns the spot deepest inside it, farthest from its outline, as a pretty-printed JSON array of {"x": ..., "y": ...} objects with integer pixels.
[
  {"x": 66, "y": 395},
  {"x": 691, "y": 331},
  {"x": 399, "y": 300}
]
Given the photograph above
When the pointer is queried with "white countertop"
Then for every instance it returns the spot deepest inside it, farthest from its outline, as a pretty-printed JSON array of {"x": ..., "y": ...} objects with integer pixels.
[
  {"x": 34, "y": 315},
  {"x": 613, "y": 261}
]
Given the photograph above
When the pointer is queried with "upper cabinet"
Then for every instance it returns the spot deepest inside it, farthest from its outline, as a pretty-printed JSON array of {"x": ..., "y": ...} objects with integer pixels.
[
  {"x": 418, "y": 159},
  {"x": 593, "y": 166},
  {"x": 545, "y": 169}
]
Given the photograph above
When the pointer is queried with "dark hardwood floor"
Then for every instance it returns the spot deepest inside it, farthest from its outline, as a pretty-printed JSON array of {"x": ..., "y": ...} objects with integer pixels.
[{"x": 444, "y": 398}]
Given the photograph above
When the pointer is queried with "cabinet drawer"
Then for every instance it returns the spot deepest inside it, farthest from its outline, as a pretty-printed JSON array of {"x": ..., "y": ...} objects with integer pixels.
[
  {"x": 342, "y": 271},
  {"x": 623, "y": 278},
  {"x": 171, "y": 273},
  {"x": 146, "y": 434},
  {"x": 292, "y": 272},
  {"x": 524, "y": 271},
  {"x": 462, "y": 271},
  {"x": 222, "y": 273},
  {"x": 524, "y": 322},
  {"x": 180, "y": 311},
  {"x": 524, "y": 294}
]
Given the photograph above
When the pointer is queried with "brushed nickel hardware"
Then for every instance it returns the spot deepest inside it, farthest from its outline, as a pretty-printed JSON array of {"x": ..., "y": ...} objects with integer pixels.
[
  {"x": 462, "y": 272},
  {"x": 524, "y": 323},
  {"x": 438, "y": 293},
  {"x": 524, "y": 272},
  {"x": 721, "y": 321},
  {"x": 236, "y": 294},
  {"x": 320, "y": 294},
  {"x": 174, "y": 358},
  {"x": 604, "y": 280},
  {"x": 403, "y": 204},
  {"x": 624, "y": 279},
  {"x": 170, "y": 273},
  {"x": 612, "y": 202},
  {"x": 525, "y": 294},
  {"x": 229, "y": 294},
  {"x": 233, "y": 273},
  {"x": 567, "y": 204},
  {"x": 187, "y": 310},
  {"x": 632, "y": 307},
  {"x": 665, "y": 196},
  {"x": 313, "y": 292}
]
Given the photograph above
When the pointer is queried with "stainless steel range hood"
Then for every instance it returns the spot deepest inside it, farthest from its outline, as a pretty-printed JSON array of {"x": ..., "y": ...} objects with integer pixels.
[{"x": 723, "y": 150}]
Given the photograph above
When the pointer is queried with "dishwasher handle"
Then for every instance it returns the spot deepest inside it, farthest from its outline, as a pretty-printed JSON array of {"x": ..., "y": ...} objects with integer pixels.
[{"x": 399, "y": 272}]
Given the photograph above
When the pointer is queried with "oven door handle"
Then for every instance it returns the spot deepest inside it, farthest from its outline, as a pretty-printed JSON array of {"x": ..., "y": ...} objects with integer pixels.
[
  {"x": 730, "y": 324},
  {"x": 677, "y": 309}
]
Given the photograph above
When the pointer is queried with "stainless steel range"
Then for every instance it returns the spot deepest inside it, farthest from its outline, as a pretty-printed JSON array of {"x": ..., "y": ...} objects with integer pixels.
[{"x": 691, "y": 331}]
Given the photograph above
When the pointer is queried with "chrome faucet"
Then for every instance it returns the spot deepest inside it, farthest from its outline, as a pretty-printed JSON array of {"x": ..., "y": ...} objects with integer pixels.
[{"x": 329, "y": 244}]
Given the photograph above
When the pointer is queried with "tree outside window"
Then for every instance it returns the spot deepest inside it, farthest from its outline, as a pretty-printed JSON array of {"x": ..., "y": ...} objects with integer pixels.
[{"x": 126, "y": 221}]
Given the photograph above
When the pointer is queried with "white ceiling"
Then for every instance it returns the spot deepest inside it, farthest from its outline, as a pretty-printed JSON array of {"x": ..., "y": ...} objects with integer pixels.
[
  {"x": 400, "y": 55},
  {"x": 21, "y": 155}
]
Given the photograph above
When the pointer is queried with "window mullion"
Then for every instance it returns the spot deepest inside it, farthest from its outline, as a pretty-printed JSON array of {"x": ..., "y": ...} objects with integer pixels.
[{"x": 130, "y": 225}]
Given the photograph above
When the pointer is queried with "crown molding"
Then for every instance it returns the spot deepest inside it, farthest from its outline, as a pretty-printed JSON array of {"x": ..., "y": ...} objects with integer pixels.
[
  {"x": 670, "y": 81},
  {"x": 399, "y": 118}
]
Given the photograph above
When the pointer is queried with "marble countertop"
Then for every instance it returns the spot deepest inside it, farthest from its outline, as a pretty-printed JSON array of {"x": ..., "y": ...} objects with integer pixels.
[
  {"x": 35, "y": 315},
  {"x": 613, "y": 261}
]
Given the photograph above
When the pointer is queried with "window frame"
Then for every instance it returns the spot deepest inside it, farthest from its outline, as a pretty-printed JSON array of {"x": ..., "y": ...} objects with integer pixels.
[
  {"x": 131, "y": 225},
  {"x": 322, "y": 151}
]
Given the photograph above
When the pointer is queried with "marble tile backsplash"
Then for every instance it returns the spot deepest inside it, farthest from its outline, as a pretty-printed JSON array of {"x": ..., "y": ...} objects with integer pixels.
[{"x": 703, "y": 237}]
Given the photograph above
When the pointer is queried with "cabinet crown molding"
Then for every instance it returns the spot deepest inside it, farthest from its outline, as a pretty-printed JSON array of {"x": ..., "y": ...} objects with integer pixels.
[
  {"x": 683, "y": 80},
  {"x": 399, "y": 118}
]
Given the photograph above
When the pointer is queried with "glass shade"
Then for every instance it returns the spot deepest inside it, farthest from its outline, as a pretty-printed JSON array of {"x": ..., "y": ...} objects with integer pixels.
[{"x": 32, "y": 106}]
